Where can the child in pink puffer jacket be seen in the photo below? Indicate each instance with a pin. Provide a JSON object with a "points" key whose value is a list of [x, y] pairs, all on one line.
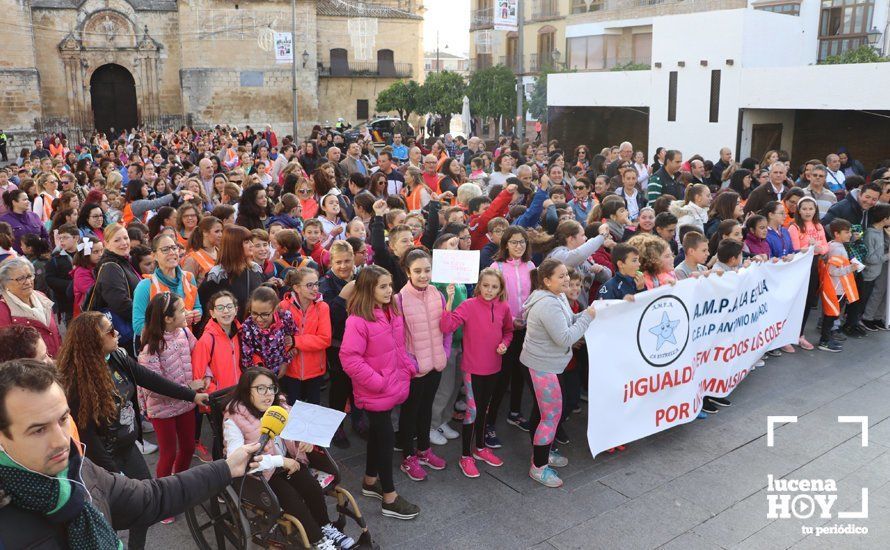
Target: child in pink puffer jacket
{"points": [[167, 350], [374, 357]]}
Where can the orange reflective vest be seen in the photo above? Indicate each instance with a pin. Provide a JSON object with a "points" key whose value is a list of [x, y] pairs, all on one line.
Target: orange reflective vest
{"points": [[831, 305], [128, 216], [203, 259], [189, 288]]}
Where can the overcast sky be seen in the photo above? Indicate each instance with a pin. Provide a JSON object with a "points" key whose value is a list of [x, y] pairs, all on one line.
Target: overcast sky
{"points": [[452, 19]]}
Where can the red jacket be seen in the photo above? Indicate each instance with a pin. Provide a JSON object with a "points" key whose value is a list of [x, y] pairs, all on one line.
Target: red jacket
{"points": [[321, 256], [218, 356], [604, 258], [50, 334], [312, 339], [479, 223]]}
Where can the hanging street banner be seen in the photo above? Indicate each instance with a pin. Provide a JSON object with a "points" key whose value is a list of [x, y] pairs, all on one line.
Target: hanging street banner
{"points": [[284, 47], [675, 344], [505, 15]]}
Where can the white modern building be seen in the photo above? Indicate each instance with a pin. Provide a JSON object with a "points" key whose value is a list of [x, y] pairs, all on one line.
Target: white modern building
{"points": [[441, 60], [735, 73]]}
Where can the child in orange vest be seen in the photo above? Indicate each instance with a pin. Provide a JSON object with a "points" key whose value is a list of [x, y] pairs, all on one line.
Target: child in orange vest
{"points": [[838, 282]]}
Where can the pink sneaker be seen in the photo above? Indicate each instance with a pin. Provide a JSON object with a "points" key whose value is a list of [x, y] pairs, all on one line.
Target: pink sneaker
{"points": [[429, 458], [468, 466], [413, 469], [487, 456]]}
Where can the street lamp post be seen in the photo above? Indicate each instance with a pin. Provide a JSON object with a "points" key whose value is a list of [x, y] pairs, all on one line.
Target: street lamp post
{"points": [[874, 35], [293, 66], [519, 129]]}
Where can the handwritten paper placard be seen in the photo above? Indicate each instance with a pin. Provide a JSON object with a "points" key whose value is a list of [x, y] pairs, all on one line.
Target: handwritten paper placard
{"points": [[312, 424], [455, 266]]}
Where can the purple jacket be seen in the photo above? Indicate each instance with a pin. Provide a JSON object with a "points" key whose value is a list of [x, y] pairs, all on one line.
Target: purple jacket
{"points": [[756, 246], [374, 356], [23, 224]]}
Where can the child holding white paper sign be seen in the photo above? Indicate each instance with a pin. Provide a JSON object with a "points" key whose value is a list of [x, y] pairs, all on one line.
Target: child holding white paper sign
{"points": [[422, 306], [489, 330]]}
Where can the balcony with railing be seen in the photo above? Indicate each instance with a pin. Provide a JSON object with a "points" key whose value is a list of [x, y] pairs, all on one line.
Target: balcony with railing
{"points": [[510, 61], [545, 10], [541, 61], [482, 19], [481, 61], [650, 7], [367, 69]]}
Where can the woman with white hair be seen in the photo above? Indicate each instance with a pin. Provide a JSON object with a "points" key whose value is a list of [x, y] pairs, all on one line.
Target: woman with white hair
{"points": [[20, 304]]}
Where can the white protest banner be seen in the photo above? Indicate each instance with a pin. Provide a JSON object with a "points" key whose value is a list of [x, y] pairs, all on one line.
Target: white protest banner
{"points": [[674, 344], [505, 15], [887, 296], [455, 266], [284, 47]]}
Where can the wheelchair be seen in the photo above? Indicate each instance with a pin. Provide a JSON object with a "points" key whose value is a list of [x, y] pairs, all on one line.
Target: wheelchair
{"points": [[247, 513]]}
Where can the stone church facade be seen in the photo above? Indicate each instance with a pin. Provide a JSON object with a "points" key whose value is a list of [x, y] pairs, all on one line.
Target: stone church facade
{"points": [[75, 65]]}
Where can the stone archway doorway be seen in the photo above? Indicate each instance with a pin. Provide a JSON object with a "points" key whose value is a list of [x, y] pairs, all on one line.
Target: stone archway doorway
{"points": [[113, 93]]}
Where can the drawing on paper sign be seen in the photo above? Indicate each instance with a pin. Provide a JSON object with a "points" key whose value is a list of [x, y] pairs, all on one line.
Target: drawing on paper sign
{"points": [[455, 266], [312, 424], [663, 331]]}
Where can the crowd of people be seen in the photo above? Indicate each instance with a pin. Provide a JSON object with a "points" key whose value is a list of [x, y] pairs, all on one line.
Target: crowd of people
{"points": [[157, 266]]}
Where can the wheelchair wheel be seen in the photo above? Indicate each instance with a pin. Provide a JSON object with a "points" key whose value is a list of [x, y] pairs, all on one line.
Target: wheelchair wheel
{"points": [[218, 524]]}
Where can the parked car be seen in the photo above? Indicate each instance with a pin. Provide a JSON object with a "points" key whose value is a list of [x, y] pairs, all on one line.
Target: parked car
{"points": [[381, 130]]}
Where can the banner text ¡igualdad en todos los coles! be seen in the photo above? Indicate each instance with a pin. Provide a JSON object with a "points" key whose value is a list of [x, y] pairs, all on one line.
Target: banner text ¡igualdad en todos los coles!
{"points": [[675, 344]]}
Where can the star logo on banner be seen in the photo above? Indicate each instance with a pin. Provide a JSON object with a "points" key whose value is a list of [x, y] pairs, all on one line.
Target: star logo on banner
{"points": [[664, 331]]}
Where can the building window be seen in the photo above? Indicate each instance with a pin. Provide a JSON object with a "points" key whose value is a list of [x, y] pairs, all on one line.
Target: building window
{"points": [[714, 114], [672, 96], [642, 44], [844, 25], [546, 45], [361, 109], [385, 64], [339, 63], [584, 6], [785, 8], [594, 53], [483, 42]]}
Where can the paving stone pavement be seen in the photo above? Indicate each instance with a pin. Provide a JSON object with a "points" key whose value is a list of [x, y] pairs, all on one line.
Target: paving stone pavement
{"points": [[702, 485]]}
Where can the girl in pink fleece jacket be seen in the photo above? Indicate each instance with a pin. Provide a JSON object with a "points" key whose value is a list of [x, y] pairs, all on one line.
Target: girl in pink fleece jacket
{"points": [[488, 332], [167, 351], [422, 306], [373, 355]]}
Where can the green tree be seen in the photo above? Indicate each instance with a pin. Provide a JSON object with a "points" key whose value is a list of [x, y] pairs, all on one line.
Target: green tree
{"points": [[537, 103], [492, 92], [401, 97], [442, 94], [862, 54]]}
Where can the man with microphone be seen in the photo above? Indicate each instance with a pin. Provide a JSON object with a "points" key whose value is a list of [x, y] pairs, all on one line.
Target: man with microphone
{"points": [[52, 497]]}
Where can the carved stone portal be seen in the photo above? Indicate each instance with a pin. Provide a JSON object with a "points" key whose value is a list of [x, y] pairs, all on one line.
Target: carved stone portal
{"points": [[109, 36]]}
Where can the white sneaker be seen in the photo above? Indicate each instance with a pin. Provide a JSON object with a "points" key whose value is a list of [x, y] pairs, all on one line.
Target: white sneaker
{"points": [[325, 544], [448, 431], [437, 438], [337, 537], [146, 447]]}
